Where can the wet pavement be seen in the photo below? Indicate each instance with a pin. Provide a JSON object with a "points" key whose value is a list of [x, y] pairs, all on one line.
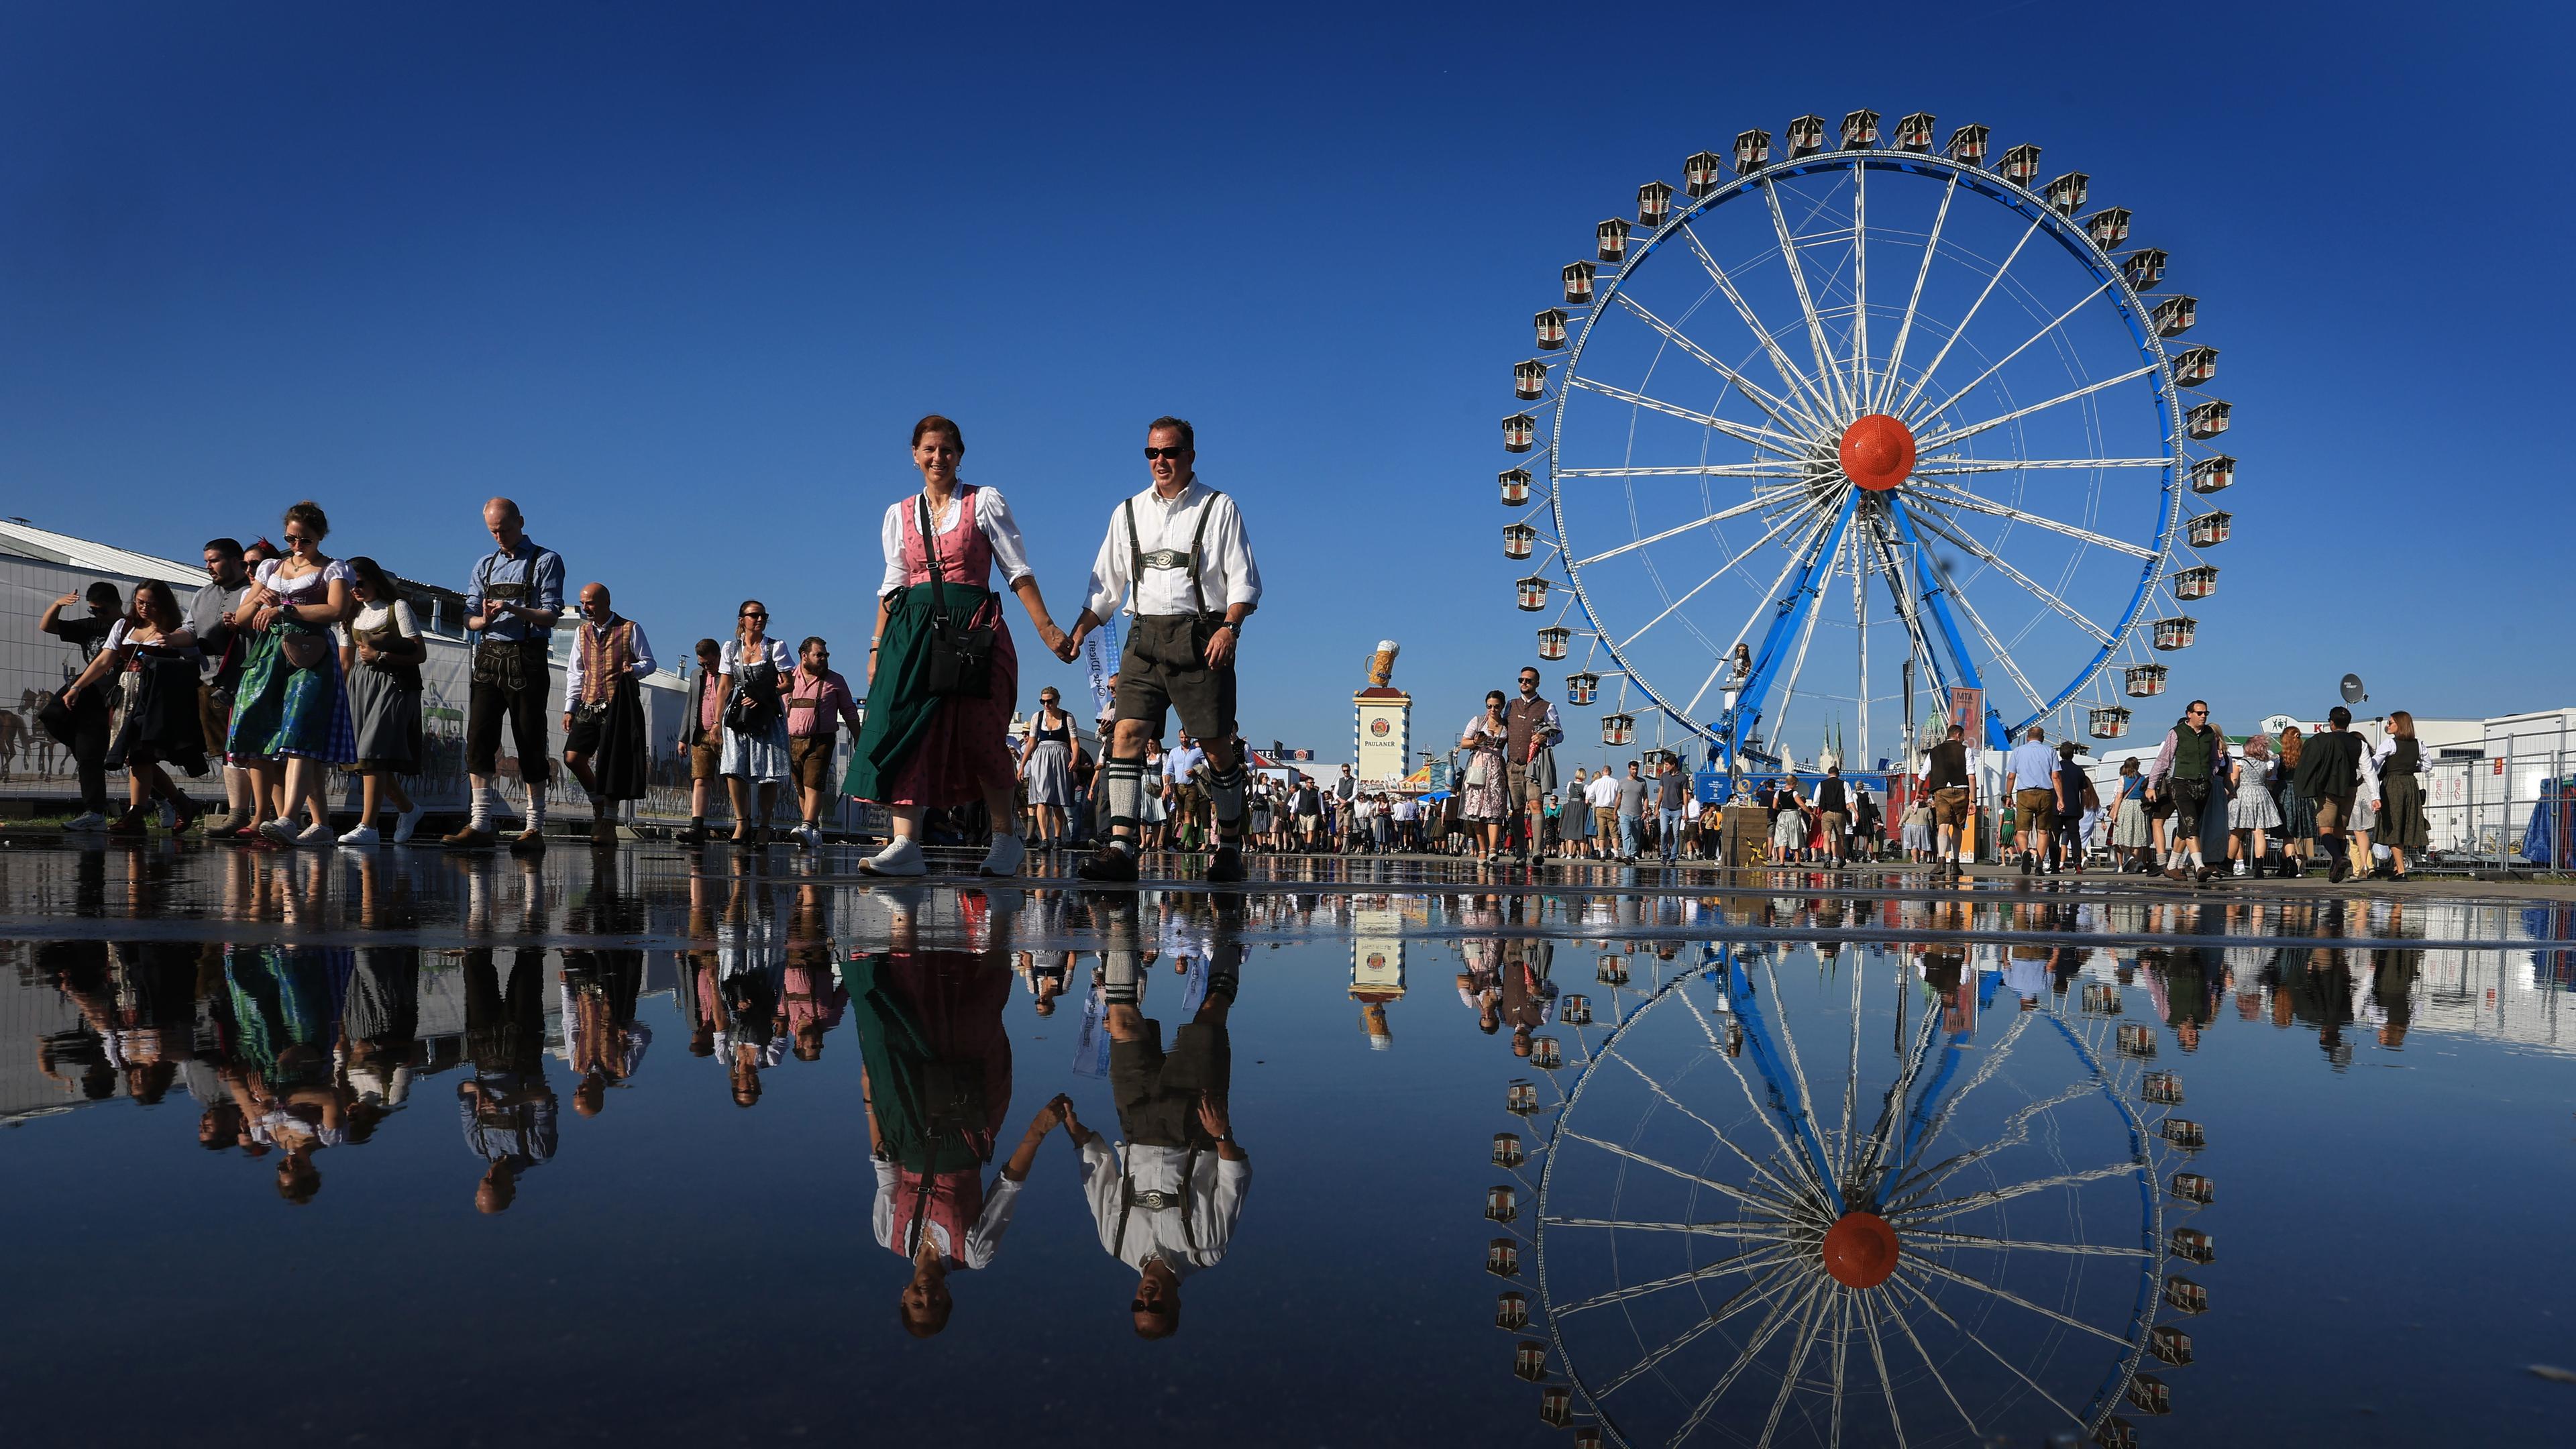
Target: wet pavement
{"points": [[648, 1147]]}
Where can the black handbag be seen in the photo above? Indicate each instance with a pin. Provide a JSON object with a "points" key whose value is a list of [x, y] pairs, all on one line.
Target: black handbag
{"points": [[960, 663]]}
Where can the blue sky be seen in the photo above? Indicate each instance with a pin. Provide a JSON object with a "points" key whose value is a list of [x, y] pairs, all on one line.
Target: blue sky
{"points": [[680, 278]]}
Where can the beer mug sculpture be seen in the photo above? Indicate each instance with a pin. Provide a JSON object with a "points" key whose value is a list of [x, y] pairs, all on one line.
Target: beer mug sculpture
{"points": [[1381, 665]]}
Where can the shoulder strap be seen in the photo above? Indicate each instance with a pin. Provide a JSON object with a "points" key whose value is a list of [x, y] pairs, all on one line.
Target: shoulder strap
{"points": [[1198, 591], [1135, 556], [929, 539]]}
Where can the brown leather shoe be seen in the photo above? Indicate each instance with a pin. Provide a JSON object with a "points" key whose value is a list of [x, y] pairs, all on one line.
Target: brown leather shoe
{"points": [[603, 831], [467, 837], [529, 839]]}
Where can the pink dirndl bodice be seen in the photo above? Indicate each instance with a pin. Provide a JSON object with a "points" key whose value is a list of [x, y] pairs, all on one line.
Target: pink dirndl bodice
{"points": [[969, 740]]}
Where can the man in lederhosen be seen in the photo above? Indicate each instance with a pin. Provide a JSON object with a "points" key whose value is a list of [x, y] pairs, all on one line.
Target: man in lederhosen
{"points": [[605, 745], [1178, 554], [513, 600], [1534, 732]]}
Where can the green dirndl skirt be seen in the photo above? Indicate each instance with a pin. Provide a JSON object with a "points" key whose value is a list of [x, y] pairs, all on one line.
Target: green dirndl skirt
{"points": [[914, 747], [282, 710]]}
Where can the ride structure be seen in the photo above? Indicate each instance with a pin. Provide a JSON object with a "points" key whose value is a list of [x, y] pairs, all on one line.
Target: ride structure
{"points": [[1982, 451]]}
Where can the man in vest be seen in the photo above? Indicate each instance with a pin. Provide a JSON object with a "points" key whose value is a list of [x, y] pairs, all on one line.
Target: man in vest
{"points": [[1833, 806], [1945, 775], [1533, 732], [605, 744], [1178, 555], [2191, 762], [2329, 773]]}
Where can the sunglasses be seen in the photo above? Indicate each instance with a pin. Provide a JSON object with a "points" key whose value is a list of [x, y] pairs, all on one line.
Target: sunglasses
{"points": [[1172, 453], [753, 614], [297, 538]]}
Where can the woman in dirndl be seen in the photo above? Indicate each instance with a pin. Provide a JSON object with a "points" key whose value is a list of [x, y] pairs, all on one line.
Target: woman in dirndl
{"points": [[1486, 796], [1046, 765], [755, 718], [2132, 839], [2251, 812], [381, 661], [2298, 812], [2402, 826], [936, 735], [150, 659], [291, 714]]}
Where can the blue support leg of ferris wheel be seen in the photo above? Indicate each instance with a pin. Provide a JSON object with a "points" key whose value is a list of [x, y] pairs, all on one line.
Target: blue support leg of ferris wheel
{"points": [[1804, 587], [1936, 595]]}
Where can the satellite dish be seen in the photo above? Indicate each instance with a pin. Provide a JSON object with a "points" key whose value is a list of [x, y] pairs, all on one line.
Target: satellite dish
{"points": [[2352, 692]]}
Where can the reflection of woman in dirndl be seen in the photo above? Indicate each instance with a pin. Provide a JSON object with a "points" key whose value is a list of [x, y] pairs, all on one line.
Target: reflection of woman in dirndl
{"points": [[291, 714], [922, 748], [937, 1079]]}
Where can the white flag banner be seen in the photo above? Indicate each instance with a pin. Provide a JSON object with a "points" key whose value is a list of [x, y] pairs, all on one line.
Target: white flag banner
{"points": [[1099, 662]]}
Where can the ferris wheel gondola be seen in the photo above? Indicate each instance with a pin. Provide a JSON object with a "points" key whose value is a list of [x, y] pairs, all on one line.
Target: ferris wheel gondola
{"points": [[1763, 456]]}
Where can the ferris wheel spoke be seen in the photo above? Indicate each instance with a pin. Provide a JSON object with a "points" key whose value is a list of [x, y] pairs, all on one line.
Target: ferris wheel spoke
{"points": [[1789, 1208], [1720, 516], [1762, 1336], [1944, 525], [1851, 1079], [1788, 1151], [1860, 379], [1944, 439], [1934, 1239], [1891, 1111], [1780, 409], [1914, 304], [1804, 510], [1741, 1262], [1969, 1280], [1959, 498], [1844, 1304], [1787, 1193], [1801, 1111], [1772, 1236], [1769, 468], [1954, 467], [1910, 1190], [1878, 1356], [1806, 637], [1948, 1208], [1825, 367], [1796, 381], [1964, 1332], [1761, 1291], [2053, 324], [1916, 391], [1781, 443], [2002, 656], [1896, 1315], [1826, 1307], [1940, 1121], [1908, 607]]}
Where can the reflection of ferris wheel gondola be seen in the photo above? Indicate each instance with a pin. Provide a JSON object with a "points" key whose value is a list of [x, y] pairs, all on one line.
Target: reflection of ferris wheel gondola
{"points": [[1942, 1221]]}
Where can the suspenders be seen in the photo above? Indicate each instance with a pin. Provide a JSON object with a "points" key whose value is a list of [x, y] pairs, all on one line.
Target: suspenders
{"points": [[1136, 553], [1127, 1200]]}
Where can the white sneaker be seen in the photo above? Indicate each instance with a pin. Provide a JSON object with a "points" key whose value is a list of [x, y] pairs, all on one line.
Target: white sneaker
{"points": [[809, 837], [901, 857], [2240, 867], [407, 822], [87, 820], [1009, 852], [318, 833], [363, 835]]}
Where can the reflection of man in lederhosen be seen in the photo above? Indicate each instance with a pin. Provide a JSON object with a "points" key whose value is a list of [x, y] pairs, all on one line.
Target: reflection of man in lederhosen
{"points": [[1178, 554], [513, 601], [1165, 1204]]}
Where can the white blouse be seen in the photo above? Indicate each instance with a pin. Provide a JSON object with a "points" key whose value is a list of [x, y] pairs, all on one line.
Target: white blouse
{"points": [[992, 519], [311, 588], [372, 616], [780, 657]]}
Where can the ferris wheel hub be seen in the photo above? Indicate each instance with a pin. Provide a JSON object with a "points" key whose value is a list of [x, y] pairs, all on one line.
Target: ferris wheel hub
{"points": [[1860, 1249], [1877, 452]]}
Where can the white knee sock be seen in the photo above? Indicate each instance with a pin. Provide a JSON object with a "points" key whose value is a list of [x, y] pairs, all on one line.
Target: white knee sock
{"points": [[481, 818]]}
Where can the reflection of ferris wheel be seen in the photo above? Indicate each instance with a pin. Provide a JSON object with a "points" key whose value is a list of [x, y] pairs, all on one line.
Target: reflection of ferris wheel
{"points": [[1944, 1222], [1857, 407]]}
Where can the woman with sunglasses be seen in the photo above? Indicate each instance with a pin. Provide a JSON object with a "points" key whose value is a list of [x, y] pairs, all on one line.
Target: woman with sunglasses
{"points": [[291, 716], [755, 719], [942, 673], [1046, 767]]}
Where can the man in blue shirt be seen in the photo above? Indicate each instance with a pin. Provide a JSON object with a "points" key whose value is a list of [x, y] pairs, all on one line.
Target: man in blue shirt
{"points": [[2030, 782], [513, 601]]}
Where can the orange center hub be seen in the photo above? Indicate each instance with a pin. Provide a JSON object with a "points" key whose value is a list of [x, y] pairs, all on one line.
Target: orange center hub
{"points": [[1877, 452], [1860, 1250]]}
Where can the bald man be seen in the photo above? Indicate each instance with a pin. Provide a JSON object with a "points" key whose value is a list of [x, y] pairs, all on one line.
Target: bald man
{"points": [[605, 745], [513, 601]]}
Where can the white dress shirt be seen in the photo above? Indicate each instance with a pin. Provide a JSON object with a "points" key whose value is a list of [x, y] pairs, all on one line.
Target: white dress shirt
{"points": [[982, 1240], [1214, 1202], [572, 668], [1226, 571], [992, 519]]}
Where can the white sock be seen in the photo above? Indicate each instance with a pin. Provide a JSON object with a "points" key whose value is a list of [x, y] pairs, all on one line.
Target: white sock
{"points": [[481, 818], [536, 808]]}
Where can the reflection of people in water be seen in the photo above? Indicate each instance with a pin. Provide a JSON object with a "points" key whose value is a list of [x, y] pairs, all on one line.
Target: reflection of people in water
{"points": [[811, 995], [379, 1034], [137, 1003], [937, 1078], [2321, 996], [2191, 990], [1045, 982], [508, 1107], [2392, 992], [602, 1038], [1167, 1203], [284, 1022], [1529, 997]]}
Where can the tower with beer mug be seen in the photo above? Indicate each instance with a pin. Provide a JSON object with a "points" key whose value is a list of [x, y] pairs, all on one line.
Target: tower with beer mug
{"points": [[1382, 721]]}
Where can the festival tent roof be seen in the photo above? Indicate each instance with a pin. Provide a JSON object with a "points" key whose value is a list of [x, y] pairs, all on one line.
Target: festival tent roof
{"points": [[28, 541]]}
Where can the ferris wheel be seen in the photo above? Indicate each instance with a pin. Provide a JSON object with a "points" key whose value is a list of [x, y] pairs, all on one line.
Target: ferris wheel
{"points": [[1819, 427], [1946, 1221]]}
